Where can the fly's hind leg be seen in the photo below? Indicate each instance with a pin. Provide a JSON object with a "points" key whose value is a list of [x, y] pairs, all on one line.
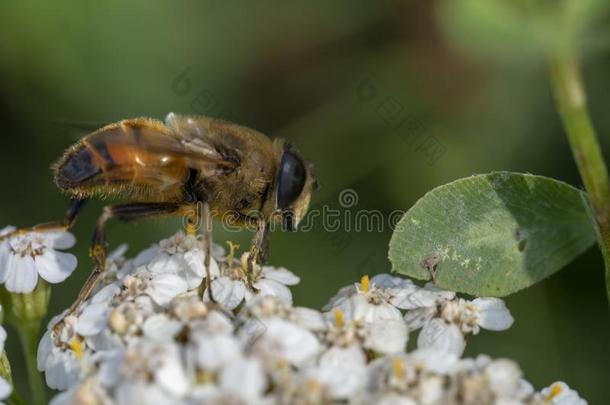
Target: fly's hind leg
{"points": [[98, 252], [74, 209], [206, 222]]}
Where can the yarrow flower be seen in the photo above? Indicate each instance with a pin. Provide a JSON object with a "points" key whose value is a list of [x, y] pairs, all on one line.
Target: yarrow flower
{"points": [[559, 393], [445, 325], [148, 336], [232, 285], [25, 257]]}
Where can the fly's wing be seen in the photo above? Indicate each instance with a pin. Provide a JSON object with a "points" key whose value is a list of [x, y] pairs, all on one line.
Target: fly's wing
{"points": [[141, 153], [224, 136]]}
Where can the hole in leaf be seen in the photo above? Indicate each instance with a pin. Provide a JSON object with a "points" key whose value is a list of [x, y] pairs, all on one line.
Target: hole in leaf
{"points": [[521, 239]]}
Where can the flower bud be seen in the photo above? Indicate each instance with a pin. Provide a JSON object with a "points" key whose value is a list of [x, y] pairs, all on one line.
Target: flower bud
{"points": [[118, 322], [31, 306]]}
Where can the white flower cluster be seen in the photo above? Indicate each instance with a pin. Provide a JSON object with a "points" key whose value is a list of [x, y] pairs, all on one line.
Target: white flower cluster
{"points": [[147, 337]]}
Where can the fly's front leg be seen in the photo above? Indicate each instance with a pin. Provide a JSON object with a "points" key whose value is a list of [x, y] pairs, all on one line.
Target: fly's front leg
{"points": [[74, 209], [258, 250], [98, 252]]}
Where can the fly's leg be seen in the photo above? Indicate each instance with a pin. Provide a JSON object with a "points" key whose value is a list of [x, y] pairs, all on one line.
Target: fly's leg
{"points": [[258, 251], [76, 204], [98, 251], [206, 222]]}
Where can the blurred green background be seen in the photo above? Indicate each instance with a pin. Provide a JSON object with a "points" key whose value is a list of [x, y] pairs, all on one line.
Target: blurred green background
{"points": [[388, 98]]}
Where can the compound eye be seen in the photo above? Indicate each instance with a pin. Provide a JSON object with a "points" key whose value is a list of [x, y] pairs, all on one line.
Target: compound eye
{"points": [[291, 179]]}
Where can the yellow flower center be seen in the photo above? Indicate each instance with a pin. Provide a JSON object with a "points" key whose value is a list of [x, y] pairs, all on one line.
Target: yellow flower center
{"points": [[204, 377], [398, 368], [339, 318], [77, 347], [364, 283], [556, 389]]}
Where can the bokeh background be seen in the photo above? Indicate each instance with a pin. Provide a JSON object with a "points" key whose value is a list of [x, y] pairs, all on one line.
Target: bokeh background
{"points": [[387, 98]]}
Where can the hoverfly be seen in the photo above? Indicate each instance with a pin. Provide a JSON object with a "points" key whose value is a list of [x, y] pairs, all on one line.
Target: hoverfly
{"points": [[191, 166]]}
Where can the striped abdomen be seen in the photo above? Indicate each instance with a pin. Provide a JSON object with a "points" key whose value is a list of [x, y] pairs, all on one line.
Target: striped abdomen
{"points": [[137, 157]]}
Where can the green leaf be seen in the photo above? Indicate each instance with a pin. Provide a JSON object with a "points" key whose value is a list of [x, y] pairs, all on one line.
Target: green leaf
{"points": [[492, 234]]}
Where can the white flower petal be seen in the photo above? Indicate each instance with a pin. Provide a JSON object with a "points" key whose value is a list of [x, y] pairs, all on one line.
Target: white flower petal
{"points": [[358, 308], [118, 252], [44, 350], [385, 280], [216, 322], [64, 398], [21, 274], [195, 260], [525, 389], [309, 319], [441, 336], [5, 388], [2, 338], [55, 266], [170, 374], [136, 392], [62, 369], [436, 361], [402, 298], [387, 336], [342, 370], [216, 351], [106, 294], [60, 240], [105, 341], [493, 314], [205, 394], [7, 229], [6, 258], [160, 327], [245, 379], [110, 362], [146, 256], [253, 329], [165, 263], [165, 287], [281, 275], [559, 393], [418, 317], [228, 293], [93, 319], [392, 398], [291, 342], [342, 295], [504, 377], [428, 296], [271, 288]]}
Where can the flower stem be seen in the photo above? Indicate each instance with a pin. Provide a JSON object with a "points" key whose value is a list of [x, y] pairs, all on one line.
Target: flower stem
{"points": [[15, 399], [29, 335], [570, 98]]}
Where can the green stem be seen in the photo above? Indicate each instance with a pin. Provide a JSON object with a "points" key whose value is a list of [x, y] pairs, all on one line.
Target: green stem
{"points": [[29, 335], [570, 98], [15, 399]]}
